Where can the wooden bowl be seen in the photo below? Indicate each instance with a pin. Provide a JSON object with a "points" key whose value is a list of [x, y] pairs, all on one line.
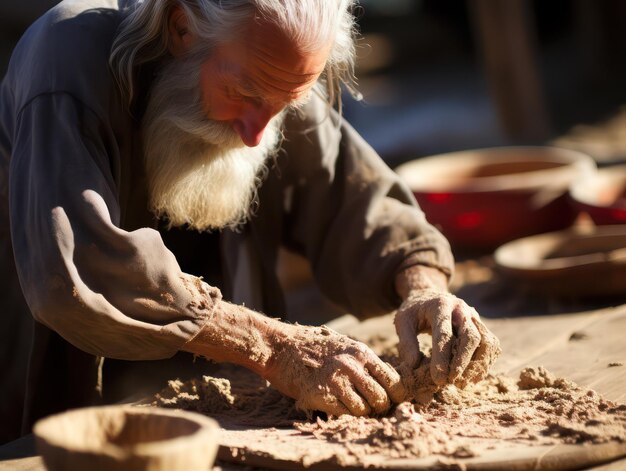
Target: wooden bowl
{"points": [[577, 262], [602, 196], [484, 198], [127, 438]]}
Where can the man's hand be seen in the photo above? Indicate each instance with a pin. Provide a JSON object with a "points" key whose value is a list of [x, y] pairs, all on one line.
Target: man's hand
{"points": [[330, 372], [321, 369], [463, 348]]}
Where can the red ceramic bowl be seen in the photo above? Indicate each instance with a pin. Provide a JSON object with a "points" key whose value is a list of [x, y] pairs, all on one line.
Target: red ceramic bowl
{"points": [[602, 196], [483, 198]]}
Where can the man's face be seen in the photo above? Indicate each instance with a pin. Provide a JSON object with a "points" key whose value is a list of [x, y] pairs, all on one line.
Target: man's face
{"points": [[211, 124], [247, 82]]}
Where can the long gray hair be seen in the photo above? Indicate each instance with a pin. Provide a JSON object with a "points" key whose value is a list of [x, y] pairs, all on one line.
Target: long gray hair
{"points": [[143, 36]]}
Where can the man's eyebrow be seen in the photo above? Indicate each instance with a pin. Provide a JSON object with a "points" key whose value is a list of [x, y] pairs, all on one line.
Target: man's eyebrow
{"points": [[247, 86], [240, 84]]}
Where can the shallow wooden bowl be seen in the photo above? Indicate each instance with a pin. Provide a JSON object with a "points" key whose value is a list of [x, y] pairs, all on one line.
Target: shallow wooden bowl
{"points": [[127, 438], [602, 196], [577, 262], [484, 198]]}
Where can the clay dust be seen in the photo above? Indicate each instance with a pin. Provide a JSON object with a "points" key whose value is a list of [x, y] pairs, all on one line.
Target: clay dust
{"points": [[534, 409], [236, 397]]}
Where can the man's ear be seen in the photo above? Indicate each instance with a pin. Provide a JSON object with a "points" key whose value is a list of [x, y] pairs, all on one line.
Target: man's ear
{"points": [[181, 38]]}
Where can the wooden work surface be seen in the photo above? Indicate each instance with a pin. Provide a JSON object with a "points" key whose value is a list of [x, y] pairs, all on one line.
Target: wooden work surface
{"points": [[578, 344]]}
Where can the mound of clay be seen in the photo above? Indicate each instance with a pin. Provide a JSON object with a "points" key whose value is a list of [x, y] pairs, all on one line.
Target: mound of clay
{"points": [[537, 408], [239, 397]]}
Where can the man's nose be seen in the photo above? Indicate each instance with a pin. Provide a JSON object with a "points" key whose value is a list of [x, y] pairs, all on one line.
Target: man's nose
{"points": [[251, 125]]}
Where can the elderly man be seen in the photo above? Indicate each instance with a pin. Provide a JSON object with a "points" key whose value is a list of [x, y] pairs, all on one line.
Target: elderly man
{"points": [[155, 155]]}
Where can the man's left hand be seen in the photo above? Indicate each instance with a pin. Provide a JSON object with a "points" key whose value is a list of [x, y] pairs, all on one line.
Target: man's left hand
{"points": [[463, 347]]}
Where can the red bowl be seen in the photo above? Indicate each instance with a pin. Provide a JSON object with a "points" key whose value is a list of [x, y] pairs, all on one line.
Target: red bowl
{"points": [[603, 196], [483, 198]]}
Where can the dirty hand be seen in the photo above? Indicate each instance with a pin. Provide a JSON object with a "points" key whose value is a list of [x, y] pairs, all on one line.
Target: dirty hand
{"points": [[326, 371], [463, 347]]}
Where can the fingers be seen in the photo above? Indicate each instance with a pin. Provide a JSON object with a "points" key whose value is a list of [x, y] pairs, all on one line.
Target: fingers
{"points": [[351, 391], [468, 339], [327, 403], [373, 393], [408, 347], [343, 389], [476, 347], [484, 356], [442, 341], [388, 378]]}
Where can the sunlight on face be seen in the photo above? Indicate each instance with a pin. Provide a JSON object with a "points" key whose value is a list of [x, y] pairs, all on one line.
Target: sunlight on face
{"points": [[199, 172], [245, 83], [206, 147]]}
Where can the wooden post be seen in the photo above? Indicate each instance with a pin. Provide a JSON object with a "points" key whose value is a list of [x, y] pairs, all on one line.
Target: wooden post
{"points": [[506, 38]]}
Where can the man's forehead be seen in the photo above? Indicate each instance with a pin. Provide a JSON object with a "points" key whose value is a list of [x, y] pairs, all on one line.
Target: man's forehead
{"points": [[274, 63]]}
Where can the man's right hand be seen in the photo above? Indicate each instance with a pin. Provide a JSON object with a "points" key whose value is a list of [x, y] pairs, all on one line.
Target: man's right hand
{"points": [[320, 368], [326, 371]]}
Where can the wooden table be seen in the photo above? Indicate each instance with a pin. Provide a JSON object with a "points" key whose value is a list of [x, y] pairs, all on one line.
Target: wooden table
{"points": [[579, 344]]}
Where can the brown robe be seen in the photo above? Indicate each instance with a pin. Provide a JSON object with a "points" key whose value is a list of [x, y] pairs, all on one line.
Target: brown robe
{"points": [[86, 275]]}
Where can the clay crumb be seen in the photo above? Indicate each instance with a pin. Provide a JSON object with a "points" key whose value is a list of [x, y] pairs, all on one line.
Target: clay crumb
{"points": [[168, 298], [76, 295], [539, 377], [578, 336]]}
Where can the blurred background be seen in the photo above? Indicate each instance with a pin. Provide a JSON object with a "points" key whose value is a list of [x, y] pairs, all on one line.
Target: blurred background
{"points": [[446, 75]]}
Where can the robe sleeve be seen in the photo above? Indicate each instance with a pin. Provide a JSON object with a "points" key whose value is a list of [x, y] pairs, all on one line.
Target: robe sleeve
{"points": [[352, 216], [107, 291]]}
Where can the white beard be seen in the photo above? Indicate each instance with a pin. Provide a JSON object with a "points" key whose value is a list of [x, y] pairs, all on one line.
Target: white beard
{"points": [[199, 171]]}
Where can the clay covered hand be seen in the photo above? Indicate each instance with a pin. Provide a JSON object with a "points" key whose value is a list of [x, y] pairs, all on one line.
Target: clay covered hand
{"points": [[463, 348], [324, 370]]}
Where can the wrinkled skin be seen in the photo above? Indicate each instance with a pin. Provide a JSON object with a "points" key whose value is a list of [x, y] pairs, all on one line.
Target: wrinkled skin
{"points": [[463, 348], [330, 372]]}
